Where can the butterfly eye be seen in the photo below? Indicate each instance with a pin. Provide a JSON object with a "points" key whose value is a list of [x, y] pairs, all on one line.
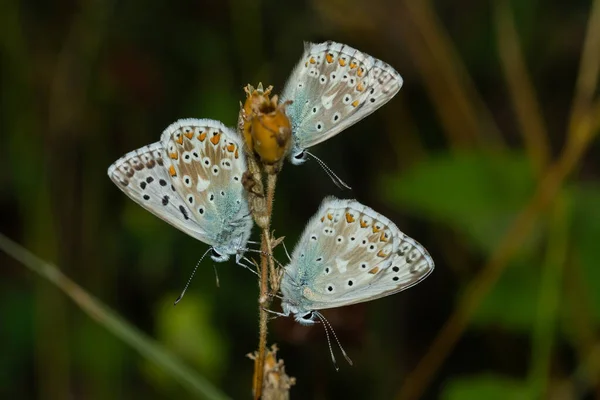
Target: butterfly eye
{"points": [[215, 254], [299, 157], [308, 316]]}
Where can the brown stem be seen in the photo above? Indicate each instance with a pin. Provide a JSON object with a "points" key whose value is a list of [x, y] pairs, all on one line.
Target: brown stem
{"points": [[264, 300], [263, 304], [271, 183]]}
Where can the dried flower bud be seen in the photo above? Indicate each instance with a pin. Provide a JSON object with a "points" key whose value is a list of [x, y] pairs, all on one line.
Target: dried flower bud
{"points": [[266, 128]]}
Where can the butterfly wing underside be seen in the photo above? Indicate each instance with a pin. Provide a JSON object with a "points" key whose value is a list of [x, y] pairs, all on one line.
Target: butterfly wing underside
{"points": [[332, 87], [349, 254], [204, 161], [141, 175], [192, 180]]}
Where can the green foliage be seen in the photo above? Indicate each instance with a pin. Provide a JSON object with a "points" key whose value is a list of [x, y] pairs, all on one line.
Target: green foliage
{"points": [[189, 331], [586, 239], [485, 386], [476, 194]]}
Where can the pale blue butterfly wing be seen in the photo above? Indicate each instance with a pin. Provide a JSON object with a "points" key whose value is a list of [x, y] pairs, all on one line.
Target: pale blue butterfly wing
{"points": [[332, 87], [350, 254], [192, 180]]}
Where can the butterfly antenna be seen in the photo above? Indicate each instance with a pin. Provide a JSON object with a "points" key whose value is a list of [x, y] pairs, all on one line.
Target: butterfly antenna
{"points": [[336, 338], [336, 179], [192, 276], [322, 318]]}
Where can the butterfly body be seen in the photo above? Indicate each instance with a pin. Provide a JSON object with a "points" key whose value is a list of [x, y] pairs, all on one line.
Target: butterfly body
{"points": [[331, 88], [192, 180], [349, 254]]}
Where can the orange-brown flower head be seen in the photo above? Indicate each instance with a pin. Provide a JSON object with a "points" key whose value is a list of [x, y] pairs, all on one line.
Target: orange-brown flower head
{"points": [[266, 127], [256, 99]]}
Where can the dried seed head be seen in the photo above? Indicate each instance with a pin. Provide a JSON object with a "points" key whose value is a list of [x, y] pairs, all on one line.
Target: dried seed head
{"points": [[266, 128]]}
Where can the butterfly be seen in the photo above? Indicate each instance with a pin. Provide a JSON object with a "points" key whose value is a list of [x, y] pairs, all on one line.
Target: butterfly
{"points": [[349, 254], [331, 88], [192, 179]]}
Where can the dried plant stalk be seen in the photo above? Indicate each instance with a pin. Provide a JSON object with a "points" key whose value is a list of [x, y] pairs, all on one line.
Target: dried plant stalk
{"points": [[266, 131]]}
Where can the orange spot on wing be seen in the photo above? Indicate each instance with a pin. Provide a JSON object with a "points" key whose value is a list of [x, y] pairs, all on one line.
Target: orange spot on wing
{"points": [[353, 65], [342, 62], [360, 87], [363, 224], [179, 139], [189, 135], [381, 254], [360, 72], [376, 229], [374, 271], [349, 218], [202, 136], [383, 237], [174, 156], [312, 60], [172, 171], [322, 219], [329, 216], [329, 58], [236, 155], [231, 148], [215, 139], [355, 103]]}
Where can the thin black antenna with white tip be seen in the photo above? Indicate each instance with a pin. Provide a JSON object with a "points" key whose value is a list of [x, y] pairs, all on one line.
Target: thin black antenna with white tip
{"points": [[192, 276], [322, 318], [336, 179]]}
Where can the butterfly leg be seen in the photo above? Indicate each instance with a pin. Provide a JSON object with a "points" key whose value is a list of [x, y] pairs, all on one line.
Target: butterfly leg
{"points": [[238, 261], [275, 313]]}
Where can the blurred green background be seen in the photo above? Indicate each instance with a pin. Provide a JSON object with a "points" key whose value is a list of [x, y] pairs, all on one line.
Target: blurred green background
{"points": [[486, 157]]}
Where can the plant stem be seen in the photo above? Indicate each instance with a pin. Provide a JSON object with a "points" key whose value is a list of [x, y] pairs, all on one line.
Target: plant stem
{"points": [[264, 300], [549, 298]]}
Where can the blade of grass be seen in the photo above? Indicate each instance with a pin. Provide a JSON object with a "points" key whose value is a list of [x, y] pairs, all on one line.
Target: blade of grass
{"points": [[465, 118], [549, 297], [147, 347], [522, 92]]}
